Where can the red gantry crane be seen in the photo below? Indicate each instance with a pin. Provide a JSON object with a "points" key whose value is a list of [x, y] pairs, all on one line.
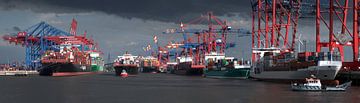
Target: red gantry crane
{"points": [[337, 27], [339, 20], [273, 21], [202, 41]]}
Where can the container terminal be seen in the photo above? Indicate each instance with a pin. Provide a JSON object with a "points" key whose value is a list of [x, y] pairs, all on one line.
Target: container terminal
{"points": [[276, 44], [53, 52]]}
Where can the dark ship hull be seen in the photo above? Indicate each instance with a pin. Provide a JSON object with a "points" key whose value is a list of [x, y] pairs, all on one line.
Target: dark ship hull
{"points": [[130, 69], [149, 69], [242, 73], [64, 69], [186, 68]]}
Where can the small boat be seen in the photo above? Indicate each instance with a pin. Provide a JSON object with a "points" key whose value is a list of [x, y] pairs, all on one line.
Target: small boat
{"points": [[314, 84], [124, 74], [341, 87]]}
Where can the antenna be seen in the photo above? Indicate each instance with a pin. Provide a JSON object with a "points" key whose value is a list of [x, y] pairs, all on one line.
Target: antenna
{"points": [[305, 45], [108, 58], [300, 42]]}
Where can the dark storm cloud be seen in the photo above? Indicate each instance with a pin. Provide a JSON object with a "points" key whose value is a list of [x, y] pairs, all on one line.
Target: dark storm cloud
{"points": [[162, 10]]}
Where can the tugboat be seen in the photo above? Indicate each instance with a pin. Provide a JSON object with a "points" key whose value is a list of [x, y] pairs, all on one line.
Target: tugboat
{"points": [[127, 62], [124, 74], [314, 84]]}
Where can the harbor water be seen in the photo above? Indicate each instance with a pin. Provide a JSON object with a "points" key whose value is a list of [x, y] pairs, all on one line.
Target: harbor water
{"points": [[158, 88]]}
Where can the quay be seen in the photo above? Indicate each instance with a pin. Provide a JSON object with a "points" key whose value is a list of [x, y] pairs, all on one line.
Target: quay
{"points": [[18, 73]]}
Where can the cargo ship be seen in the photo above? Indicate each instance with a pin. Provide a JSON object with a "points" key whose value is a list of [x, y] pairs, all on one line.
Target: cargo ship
{"points": [[242, 69], [97, 62], [150, 64], [170, 67], [219, 66], [69, 61], [126, 62], [272, 64], [185, 66]]}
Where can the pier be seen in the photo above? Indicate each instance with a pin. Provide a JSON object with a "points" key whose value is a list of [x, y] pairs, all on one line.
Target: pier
{"points": [[18, 73]]}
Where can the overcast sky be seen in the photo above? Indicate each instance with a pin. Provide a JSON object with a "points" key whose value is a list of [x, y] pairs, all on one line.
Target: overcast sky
{"points": [[125, 25]]}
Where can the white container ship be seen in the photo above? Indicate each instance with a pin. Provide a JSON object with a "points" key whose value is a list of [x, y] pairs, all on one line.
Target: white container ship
{"points": [[272, 64]]}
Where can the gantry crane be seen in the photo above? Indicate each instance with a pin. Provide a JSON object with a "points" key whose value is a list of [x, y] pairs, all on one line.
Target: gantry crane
{"points": [[212, 39], [272, 22], [42, 37]]}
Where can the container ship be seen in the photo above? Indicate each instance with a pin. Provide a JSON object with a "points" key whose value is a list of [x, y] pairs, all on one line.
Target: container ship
{"points": [[219, 66], [170, 67], [150, 64], [242, 69], [126, 62], [69, 61], [272, 64], [185, 66]]}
